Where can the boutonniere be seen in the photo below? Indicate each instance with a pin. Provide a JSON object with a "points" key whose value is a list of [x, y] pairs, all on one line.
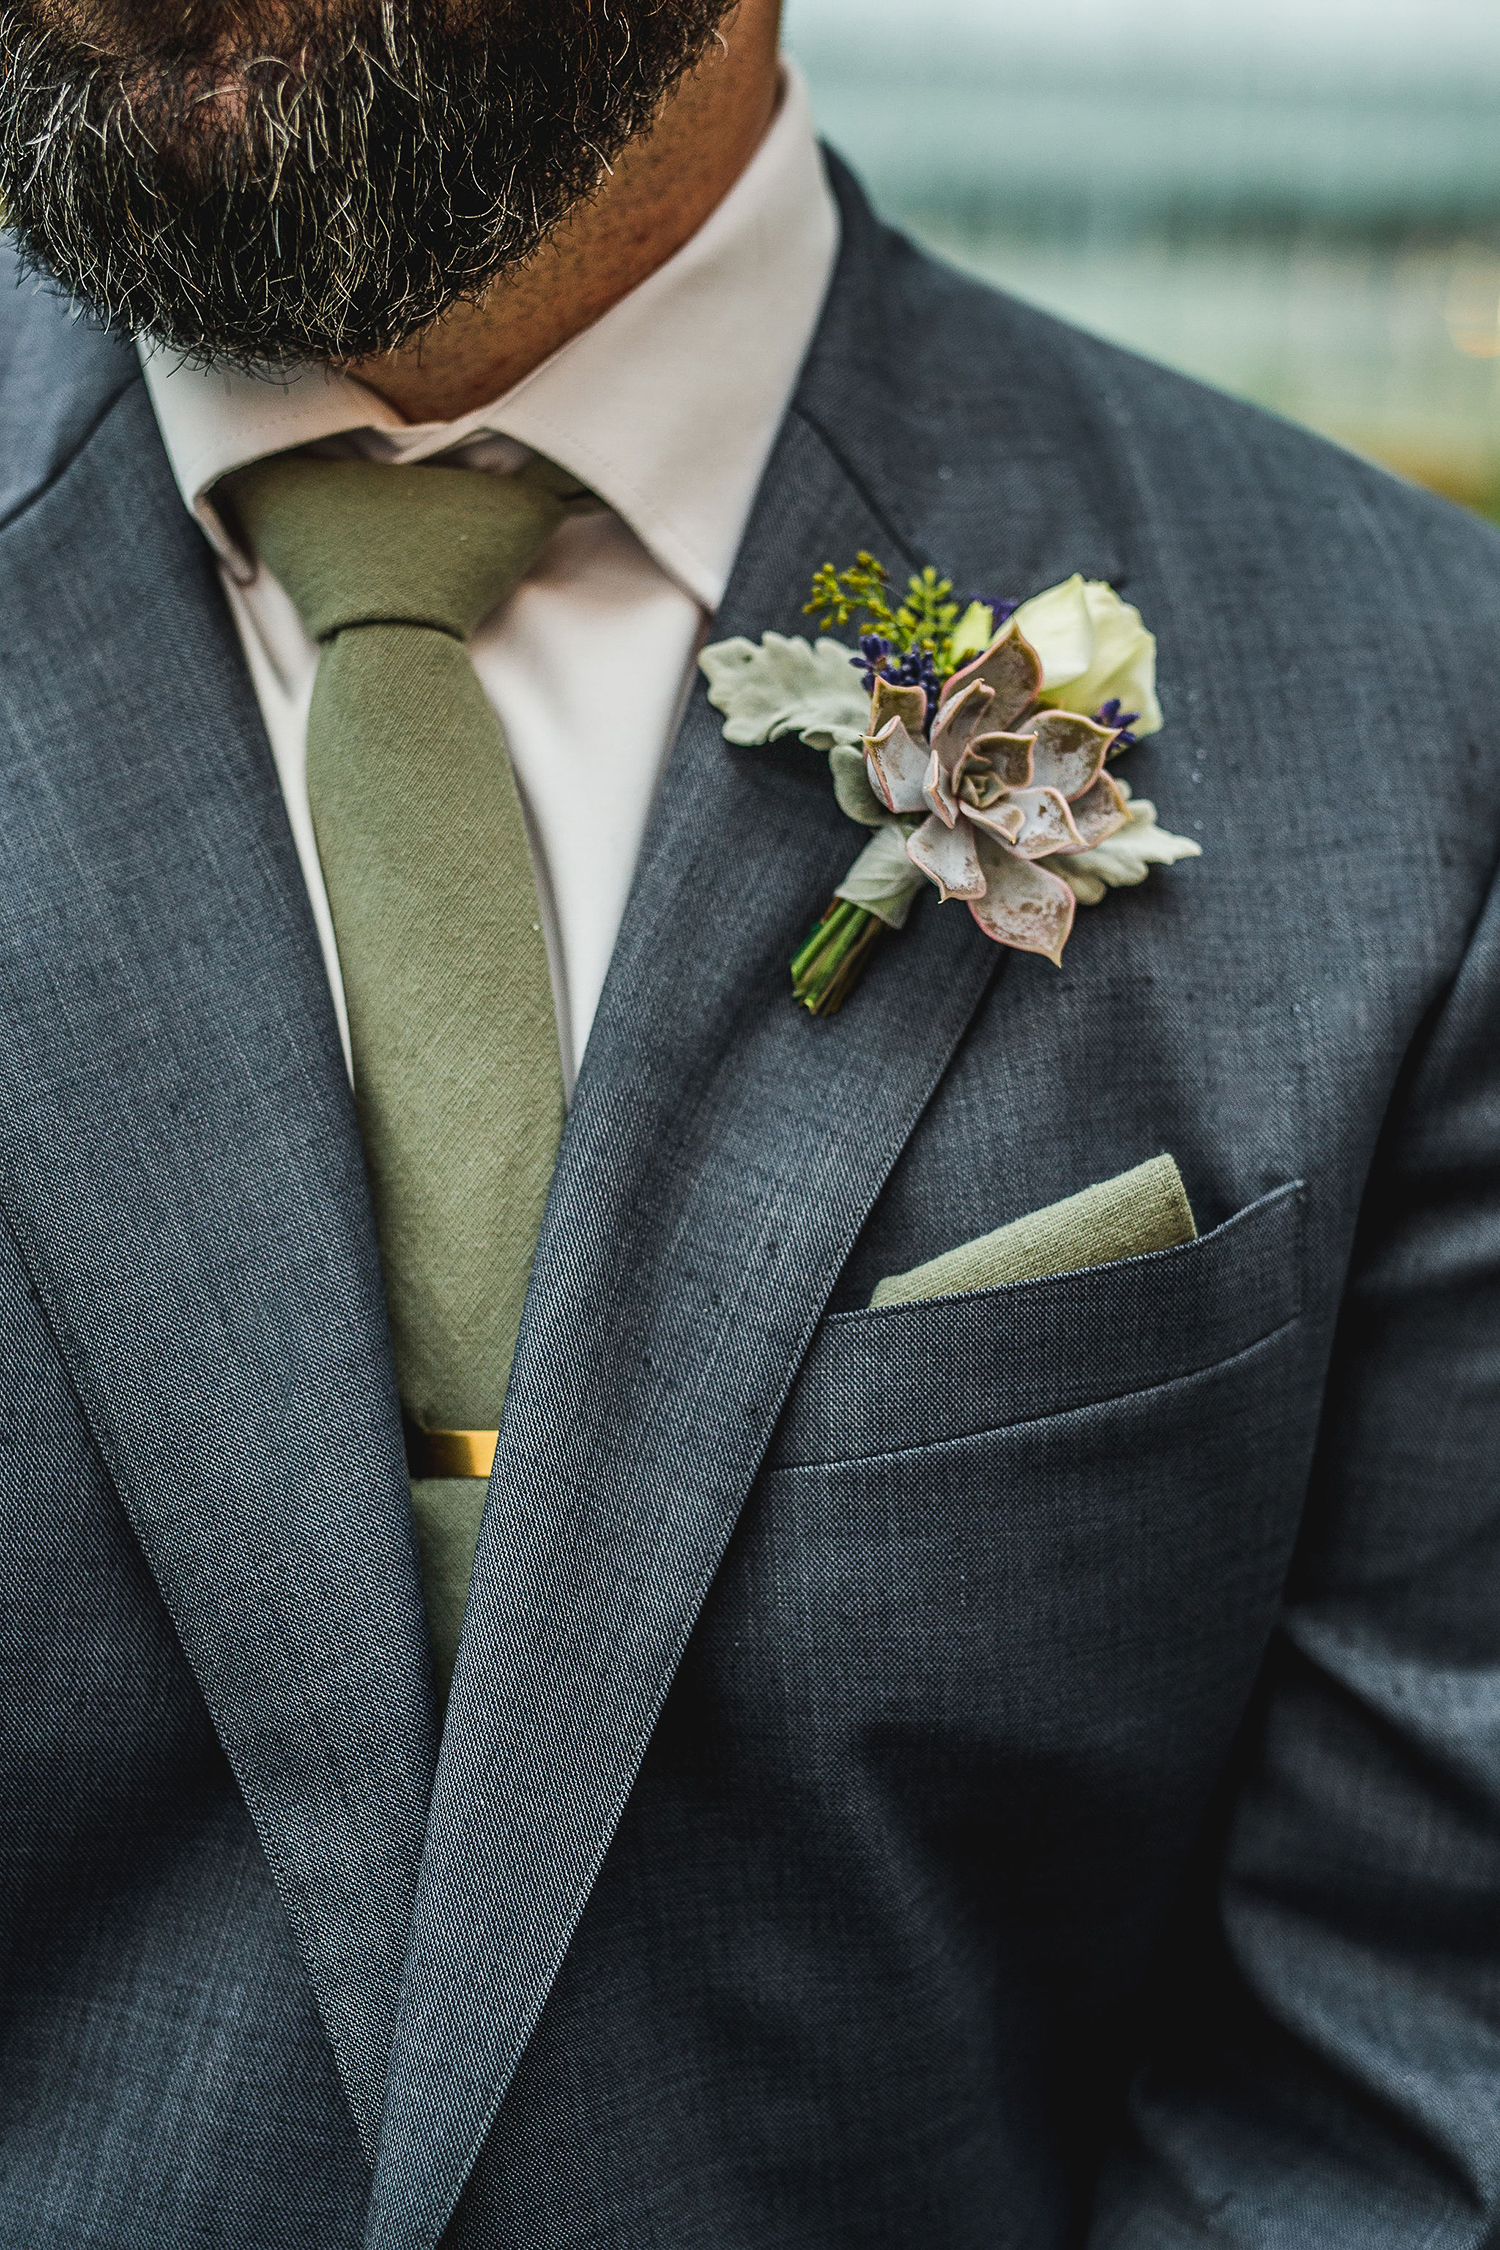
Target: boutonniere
{"points": [[973, 739]]}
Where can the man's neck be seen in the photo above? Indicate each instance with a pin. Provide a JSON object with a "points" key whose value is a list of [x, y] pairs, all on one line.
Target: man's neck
{"points": [[656, 196]]}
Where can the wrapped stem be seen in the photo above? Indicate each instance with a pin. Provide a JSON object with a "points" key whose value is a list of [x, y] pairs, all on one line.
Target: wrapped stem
{"points": [[834, 956]]}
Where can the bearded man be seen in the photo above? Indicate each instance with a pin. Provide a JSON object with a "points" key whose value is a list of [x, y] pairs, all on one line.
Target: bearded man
{"points": [[541, 1716]]}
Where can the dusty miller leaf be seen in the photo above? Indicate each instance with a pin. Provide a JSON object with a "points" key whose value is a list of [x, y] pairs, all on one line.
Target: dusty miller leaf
{"points": [[783, 686], [882, 879], [1124, 858], [851, 786]]}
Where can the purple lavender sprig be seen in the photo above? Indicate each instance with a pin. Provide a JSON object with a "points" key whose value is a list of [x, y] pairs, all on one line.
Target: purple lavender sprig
{"points": [[1110, 715], [1001, 611], [877, 660]]}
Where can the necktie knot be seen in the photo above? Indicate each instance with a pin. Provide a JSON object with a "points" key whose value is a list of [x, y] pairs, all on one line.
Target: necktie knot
{"points": [[369, 543]]}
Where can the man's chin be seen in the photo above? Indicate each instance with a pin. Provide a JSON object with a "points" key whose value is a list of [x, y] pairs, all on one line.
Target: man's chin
{"points": [[326, 195]]}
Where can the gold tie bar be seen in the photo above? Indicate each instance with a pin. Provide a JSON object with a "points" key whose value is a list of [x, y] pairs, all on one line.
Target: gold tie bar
{"points": [[449, 1453]]}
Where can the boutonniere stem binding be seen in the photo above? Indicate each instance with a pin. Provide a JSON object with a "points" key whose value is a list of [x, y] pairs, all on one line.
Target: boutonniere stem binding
{"points": [[973, 739]]}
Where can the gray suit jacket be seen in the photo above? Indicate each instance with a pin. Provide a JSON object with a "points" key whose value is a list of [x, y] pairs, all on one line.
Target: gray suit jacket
{"points": [[1017, 1770]]}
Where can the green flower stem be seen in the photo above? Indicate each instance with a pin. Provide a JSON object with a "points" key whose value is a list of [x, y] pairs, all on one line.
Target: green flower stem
{"points": [[824, 933], [833, 959]]}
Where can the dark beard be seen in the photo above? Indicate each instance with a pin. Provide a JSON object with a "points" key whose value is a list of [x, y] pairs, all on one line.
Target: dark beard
{"points": [[314, 181]]}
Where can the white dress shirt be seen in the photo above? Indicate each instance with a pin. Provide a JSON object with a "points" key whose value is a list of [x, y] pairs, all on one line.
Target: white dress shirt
{"points": [[667, 408]]}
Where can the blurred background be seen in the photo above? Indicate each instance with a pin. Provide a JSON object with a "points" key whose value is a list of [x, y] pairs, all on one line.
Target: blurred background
{"points": [[1298, 200]]}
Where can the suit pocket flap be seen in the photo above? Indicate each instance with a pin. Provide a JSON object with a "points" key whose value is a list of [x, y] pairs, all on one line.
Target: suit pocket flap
{"points": [[882, 1379]]}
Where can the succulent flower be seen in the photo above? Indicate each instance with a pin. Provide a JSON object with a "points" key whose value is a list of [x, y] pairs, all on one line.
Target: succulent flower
{"points": [[1004, 781]]}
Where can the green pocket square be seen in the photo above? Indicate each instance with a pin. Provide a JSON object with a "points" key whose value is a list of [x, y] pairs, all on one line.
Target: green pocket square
{"points": [[1146, 1209]]}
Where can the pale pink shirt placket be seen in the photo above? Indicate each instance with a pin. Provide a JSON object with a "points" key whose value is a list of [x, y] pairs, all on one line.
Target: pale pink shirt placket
{"points": [[668, 408]]}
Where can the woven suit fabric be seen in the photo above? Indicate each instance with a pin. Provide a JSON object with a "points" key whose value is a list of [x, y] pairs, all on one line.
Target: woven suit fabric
{"points": [[424, 850]]}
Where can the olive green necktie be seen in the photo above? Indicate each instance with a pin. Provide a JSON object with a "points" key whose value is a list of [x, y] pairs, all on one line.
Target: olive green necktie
{"points": [[424, 852]]}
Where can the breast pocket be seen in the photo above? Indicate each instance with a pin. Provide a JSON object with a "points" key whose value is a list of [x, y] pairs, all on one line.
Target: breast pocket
{"points": [[1008, 1576], [906, 1376]]}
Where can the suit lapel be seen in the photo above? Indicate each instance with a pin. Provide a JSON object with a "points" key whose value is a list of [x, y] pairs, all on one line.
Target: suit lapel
{"points": [[723, 1152], [180, 1165]]}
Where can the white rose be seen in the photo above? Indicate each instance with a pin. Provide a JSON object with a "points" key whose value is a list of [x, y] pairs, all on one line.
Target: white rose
{"points": [[1093, 649]]}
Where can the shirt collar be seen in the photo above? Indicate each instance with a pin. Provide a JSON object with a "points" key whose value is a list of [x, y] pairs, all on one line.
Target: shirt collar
{"points": [[667, 406]]}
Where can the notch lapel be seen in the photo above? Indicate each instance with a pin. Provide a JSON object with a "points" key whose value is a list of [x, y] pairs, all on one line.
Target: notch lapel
{"points": [[180, 1165], [722, 1154]]}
